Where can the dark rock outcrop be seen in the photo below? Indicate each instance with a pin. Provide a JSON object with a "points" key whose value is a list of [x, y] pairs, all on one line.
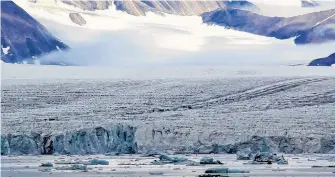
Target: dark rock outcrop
{"points": [[327, 61], [242, 5], [305, 28], [22, 37], [77, 19], [309, 3], [182, 7]]}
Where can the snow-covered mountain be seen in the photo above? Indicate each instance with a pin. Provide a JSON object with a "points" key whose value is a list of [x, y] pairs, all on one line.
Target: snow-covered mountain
{"points": [[182, 7], [22, 37], [305, 28], [182, 25]]}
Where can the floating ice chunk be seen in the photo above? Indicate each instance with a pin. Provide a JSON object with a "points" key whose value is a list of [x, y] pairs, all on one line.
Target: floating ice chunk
{"points": [[217, 170], [165, 159], [156, 173], [47, 164], [282, 161], [244, 154], [73, 167], [237, 171], [172, 158], [225, 170], [98, 162], [209, 160]]}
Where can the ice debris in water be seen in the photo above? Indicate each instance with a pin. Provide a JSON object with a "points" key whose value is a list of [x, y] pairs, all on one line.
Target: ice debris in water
{"points": [[98, 162], [266, 158], [73, 167], [156, 173], [47, 164], [225, 170], [165, 159], [209, 160], [244, 154]]}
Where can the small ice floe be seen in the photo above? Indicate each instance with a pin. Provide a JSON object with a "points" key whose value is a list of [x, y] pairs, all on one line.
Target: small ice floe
{"points": [[156, 173], [267, 158], [165, 159], [209, 160], [98, 162], [73, 167], [225, 170], [47, 164], [282, 161]]}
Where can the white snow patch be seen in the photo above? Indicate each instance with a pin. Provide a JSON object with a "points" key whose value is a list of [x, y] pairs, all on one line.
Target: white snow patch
{"points": [[5, 50], [322, 21]]}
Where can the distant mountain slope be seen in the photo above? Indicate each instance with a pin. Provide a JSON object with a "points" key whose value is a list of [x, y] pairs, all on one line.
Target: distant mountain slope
{"points": [[309, 3], [22, 37], [323, 31], [278, 27], [327, 61], [181, 7]]}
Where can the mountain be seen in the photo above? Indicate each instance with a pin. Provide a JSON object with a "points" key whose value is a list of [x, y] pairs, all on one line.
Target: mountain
{"points": [[323, 31], [24, 38], [304, 28], [327, 61], [182, 7]]}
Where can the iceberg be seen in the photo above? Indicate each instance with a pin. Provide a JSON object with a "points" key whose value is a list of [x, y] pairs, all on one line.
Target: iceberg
{"points": [[209, 160], [98, 162]]}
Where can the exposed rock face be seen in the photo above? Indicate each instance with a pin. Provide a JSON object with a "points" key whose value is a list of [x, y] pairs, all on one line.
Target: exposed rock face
{"points": [[89, 5], [242, 5], [116, 138], [139, 8], [327, 61], [279, 27], [309, 3], [22, 37], [77, 19], [323, 32]]}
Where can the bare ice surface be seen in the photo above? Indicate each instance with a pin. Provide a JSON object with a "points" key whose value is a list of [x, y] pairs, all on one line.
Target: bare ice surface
{"points": [[204, 110]]}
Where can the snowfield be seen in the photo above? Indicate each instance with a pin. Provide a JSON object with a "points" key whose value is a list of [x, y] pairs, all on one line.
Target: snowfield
{"points": [[69, 110]]}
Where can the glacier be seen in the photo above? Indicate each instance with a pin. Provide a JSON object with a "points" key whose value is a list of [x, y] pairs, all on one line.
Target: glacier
{"points": [[99, 140], [176, 110]]}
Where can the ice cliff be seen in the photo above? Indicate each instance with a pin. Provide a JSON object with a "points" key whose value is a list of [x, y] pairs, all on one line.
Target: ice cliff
{"points": [[121, 138], [99, 140]]}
